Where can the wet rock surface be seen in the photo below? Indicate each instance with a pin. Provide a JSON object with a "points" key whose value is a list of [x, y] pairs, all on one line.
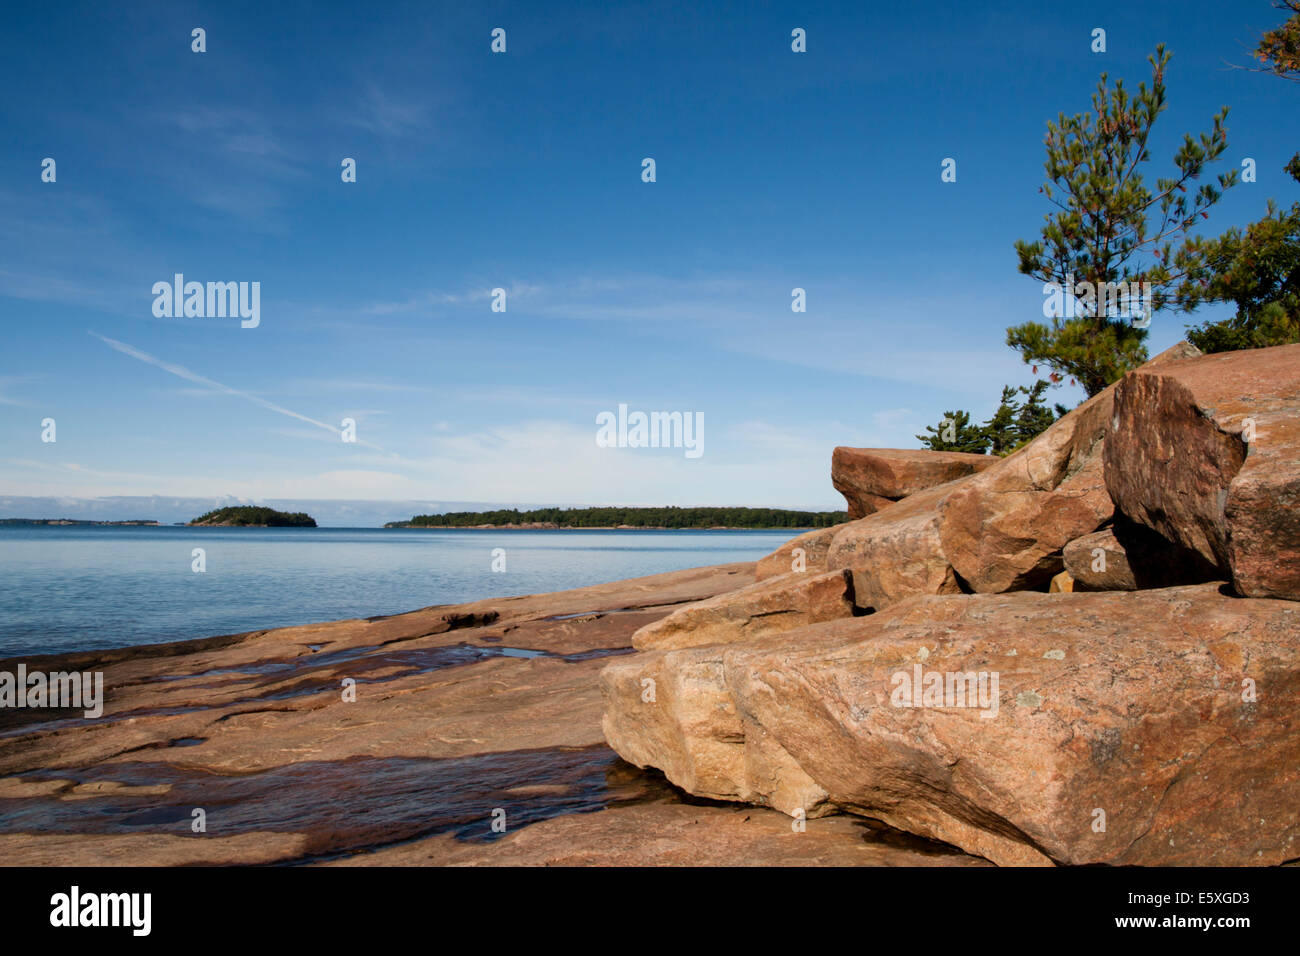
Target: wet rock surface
{"points": [[462, 716]]}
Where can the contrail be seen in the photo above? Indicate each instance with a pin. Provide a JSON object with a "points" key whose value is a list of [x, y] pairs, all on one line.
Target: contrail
{"points": [[182, 372]]}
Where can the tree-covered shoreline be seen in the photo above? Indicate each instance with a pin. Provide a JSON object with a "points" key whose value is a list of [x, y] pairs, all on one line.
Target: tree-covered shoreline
{"points": [[666, 517]]}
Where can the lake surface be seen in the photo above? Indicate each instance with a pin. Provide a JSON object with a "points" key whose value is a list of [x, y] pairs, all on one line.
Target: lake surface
{"points": [[77, 588]]}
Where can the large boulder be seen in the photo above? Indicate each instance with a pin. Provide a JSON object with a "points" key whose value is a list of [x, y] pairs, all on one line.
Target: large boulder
{"points": [[871, 478], [775, 604], [897, 553], [1132, 728], [1004, 530], [1206, 452], [672, 710]]}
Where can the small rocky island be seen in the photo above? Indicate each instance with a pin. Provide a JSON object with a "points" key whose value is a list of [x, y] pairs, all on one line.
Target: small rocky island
{"points": [[248, 516]]}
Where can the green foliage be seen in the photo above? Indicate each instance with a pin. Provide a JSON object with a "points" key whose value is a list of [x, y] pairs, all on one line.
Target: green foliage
{"points": [[666, 517], [1033, 417], [1001, 427], [1279, 48], [1274, 323], [1257, 270], [955, 433], [1012, 425], [252, 516], [1015, 424], [1110, 228]]}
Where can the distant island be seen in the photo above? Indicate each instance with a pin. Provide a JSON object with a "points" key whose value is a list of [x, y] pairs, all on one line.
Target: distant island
{"points": [[79, 522], [246, 516], [667, 518]]}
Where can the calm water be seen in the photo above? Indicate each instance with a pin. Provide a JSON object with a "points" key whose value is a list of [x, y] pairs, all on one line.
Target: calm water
{"points": [[67, 588]]}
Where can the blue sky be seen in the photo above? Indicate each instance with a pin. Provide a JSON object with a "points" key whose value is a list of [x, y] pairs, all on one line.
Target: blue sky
{"points": [[522, 171]]}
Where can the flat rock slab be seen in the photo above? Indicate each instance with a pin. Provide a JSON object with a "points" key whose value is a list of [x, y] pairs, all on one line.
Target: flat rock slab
{"points": [[765, 607], [459, 711], [670, 833], [871, 478]]}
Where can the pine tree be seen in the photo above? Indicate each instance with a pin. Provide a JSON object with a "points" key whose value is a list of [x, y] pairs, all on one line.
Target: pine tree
{"points": [[1012, 425], [1257, 270], [1000, 429], [1279, 48], [1034, 416], [955, 433], [1100, 233]]}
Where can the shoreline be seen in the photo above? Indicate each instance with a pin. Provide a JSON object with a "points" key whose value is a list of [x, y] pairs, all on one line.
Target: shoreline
{"points": [[75, 522], [455, 710], [547, 526], [26, 523], [362, 573]]}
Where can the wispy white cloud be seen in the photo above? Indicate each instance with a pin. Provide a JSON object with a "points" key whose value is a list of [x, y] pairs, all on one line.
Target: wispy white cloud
{"points": [[420, 302], [351, 385], [181, 371], [44, 287], [78, 472], [9, 381], [385, 114], [247, 136]]}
